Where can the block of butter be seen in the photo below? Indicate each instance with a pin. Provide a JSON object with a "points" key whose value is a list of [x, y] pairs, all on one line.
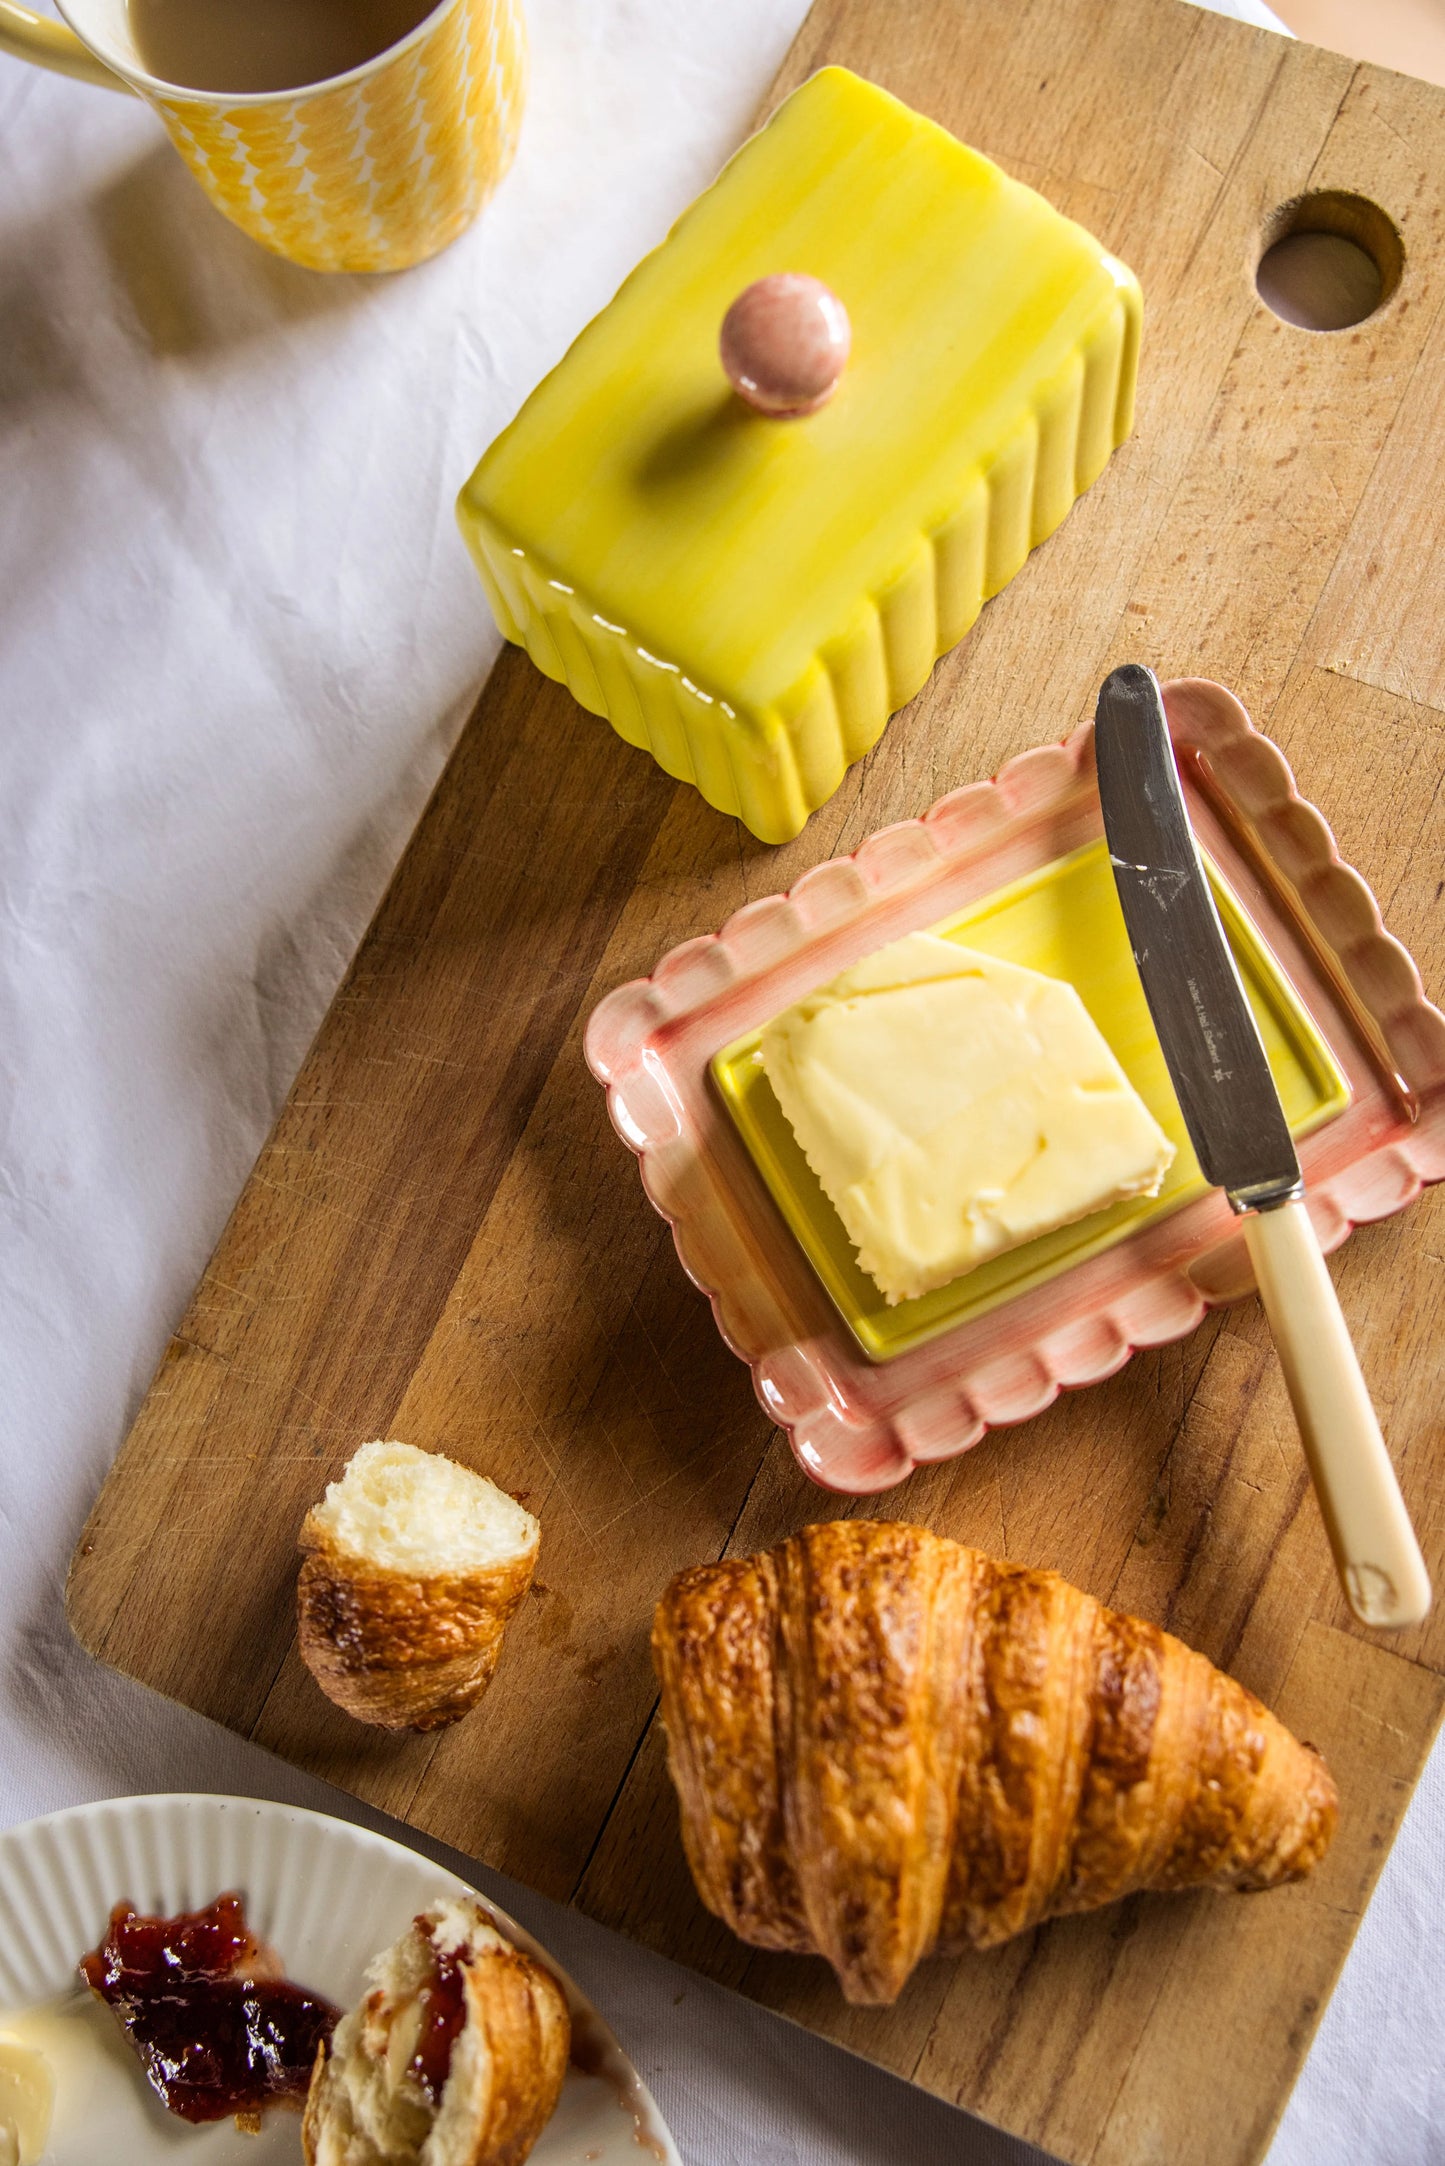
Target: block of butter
{"points": [[750, 597], [27, 2100], [953, 1106]]}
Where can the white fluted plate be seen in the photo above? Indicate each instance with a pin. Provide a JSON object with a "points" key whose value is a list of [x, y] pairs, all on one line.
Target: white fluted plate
{"points": [[327, 1896]]}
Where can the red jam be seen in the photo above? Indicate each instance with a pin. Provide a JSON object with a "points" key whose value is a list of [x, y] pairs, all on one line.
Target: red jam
{"points": [[216, 2030], [443, 2003]]}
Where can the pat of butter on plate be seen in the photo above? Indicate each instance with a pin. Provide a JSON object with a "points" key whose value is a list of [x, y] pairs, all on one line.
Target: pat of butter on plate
{"points": [[954, 1106], [27, 2099], [1062, 919]]}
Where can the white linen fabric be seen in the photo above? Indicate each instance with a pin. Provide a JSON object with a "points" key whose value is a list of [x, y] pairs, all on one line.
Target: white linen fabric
{"points": [[237, 636]]}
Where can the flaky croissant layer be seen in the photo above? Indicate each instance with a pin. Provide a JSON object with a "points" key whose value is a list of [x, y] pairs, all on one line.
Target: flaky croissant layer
{"points": [[413, 1567], [887, 1745]]}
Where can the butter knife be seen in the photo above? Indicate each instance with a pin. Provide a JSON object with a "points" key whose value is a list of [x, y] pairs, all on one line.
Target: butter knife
{"points": [[1241, 1138]]}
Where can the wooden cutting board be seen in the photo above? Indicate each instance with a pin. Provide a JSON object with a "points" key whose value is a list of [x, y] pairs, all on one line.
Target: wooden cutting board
{"points": [[444, 1241]]}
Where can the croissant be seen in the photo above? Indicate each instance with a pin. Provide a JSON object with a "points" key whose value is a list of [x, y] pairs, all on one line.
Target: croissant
{"points": [[413, 1567], [886, 1745], [456, 2055]]}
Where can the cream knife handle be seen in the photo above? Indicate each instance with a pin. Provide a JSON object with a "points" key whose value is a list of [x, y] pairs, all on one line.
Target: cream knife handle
{"points": [[1379, 1560]]}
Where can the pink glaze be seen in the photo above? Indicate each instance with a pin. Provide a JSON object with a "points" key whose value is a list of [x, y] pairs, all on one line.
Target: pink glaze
{"points": [[784, 344]]}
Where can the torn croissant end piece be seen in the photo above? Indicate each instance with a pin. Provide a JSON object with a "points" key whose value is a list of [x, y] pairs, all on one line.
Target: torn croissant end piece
{"points": [[887, 1746], [413, 1566], [455, 2057]]}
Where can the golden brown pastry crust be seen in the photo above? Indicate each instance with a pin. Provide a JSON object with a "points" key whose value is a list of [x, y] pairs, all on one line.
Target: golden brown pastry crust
{"points": [[885, 1744], [403, 1652], [498, 2099], [523, 2012]]}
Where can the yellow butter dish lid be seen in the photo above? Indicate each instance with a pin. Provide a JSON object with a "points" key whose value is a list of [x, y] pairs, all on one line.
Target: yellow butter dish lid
{"points": [[750, 595]]}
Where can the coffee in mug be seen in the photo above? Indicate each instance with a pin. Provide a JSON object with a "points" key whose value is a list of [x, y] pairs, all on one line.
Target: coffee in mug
{"points": [[255, 45]]}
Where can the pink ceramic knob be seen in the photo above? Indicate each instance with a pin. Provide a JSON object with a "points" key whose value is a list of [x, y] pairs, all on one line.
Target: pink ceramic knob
{"points": [[784, 342]]}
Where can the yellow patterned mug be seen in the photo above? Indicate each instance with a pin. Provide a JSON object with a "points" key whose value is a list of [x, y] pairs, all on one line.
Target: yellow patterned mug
{"points": [[368, 171]]}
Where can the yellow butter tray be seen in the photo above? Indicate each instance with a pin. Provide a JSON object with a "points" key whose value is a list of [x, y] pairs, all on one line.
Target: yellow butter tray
{"points": [[1065, 920]]}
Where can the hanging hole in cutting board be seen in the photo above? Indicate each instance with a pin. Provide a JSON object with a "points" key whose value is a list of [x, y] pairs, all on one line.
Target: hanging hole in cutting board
{"points": [[1329, 260]]}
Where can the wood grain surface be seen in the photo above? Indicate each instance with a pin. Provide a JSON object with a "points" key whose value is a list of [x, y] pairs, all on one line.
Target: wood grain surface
{"points": [[443, 1240]]}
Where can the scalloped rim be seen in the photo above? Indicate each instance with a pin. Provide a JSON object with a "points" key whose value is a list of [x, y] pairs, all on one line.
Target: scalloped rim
{"points": [[1150, 1305]]}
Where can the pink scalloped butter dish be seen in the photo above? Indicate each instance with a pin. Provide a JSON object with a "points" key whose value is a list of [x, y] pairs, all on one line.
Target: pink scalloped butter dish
{"points": [[860, 1426]]}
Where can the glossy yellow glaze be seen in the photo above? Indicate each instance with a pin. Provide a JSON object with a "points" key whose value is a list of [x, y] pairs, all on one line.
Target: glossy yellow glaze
{"points": [[1064, 920], [751, 598], [28, 36]]}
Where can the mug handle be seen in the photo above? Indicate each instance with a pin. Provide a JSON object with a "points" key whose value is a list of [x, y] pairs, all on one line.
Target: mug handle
{"points": [[34, 37]]}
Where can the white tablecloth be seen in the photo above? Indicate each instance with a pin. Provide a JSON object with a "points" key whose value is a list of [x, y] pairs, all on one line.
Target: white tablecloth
{"points": [[237, 636]]}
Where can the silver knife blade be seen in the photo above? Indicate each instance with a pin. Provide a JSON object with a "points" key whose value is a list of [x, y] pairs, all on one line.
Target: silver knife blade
{"points": [[1206, 1027]]}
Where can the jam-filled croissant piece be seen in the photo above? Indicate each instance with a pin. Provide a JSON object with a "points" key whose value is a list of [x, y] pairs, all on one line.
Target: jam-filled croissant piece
{"points": [[454, 2057], [886, 1745]]}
